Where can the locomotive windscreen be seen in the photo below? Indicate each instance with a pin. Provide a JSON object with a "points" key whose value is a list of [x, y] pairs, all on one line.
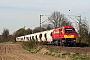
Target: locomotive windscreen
{"points": [[68, 30]]}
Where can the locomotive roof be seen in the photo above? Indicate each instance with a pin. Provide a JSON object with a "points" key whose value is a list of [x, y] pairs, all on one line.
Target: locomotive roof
{"points": [[64, 27]]}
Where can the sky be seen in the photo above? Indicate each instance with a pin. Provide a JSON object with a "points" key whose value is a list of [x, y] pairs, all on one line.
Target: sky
{"points": [[15, 14]]}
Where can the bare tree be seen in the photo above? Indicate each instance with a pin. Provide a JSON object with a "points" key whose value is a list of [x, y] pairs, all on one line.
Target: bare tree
{"points": [[20, 32], [88, 40], [14, 35], [58, 19], [47, 26], [83, 30], [37, 29], [5, 34], [28, 31]]}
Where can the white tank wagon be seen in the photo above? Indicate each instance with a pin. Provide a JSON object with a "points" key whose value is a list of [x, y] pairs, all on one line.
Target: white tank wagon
{"points": [[21, 38], [45, 36], [49, 36]]}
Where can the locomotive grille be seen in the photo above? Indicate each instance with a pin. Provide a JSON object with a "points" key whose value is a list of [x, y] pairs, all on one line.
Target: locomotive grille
{"points": [[69, 40]]}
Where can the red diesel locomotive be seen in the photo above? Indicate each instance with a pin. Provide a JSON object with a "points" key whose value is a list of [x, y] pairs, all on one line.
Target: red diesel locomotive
{"points": [[65, 35]]}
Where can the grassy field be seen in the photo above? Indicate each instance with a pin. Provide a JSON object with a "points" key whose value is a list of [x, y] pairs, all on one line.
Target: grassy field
{"points": [[34, 47]]}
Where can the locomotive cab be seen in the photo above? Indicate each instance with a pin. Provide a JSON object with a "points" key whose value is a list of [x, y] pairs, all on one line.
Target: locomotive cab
{"points": [[69, 36], [65, 35]]}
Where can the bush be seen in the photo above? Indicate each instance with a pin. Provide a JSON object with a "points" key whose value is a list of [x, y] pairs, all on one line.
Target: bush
{"points": [[2, 41], [31, 44]]}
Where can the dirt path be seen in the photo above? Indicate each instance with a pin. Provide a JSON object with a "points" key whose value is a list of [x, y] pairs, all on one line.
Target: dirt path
{"points": [[16, 52]]}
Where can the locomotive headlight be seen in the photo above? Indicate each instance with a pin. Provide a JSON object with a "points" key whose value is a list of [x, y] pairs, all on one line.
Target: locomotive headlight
{"points": [[63, 40], [74, 40]]}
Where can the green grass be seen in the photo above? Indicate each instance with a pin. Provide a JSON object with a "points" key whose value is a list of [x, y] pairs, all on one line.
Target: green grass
{"points": [[53, 50], [59, 54], [79, 56], [65, 54], [32, 46], [3, 41]]}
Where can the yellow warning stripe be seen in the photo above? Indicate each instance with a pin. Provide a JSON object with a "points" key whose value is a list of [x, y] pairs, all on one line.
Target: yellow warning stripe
{"points": [[68, 36]]}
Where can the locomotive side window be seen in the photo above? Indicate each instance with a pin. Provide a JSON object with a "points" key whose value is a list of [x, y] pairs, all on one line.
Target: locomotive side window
{"points": [[68, 30], [40, 36], [74, 30]]}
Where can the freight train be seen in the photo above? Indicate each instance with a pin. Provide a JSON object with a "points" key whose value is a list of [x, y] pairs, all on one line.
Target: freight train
{"points": [[65, 35]]}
